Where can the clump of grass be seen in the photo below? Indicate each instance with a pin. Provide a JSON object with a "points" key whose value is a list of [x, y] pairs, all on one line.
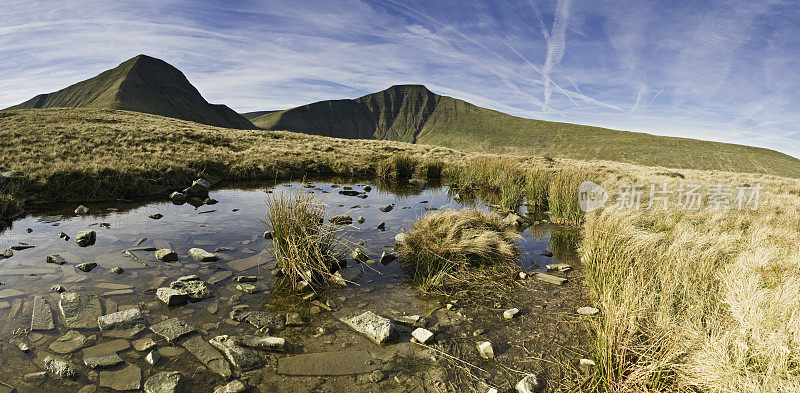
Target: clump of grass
{"points": [[304, 247], [501, 176], [448, 249], [537, 188], [562, 196], [400, 166], [431, 168]]}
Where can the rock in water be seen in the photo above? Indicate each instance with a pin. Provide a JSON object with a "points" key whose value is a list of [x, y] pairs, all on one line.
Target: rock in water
{"points": [[82, 210], [42, 315], [202, 255], [266, 343], [56, 259], [240, 357], [378, 329], [60, 368], [359, 255], [86, 267], [125, 324], [178, 198], [172, 297], [263, 319], [172, 329], [386, 208], [86, 238], [166, 255], [164, 382], [195, 289], [341, 220], [198, 189], [209, 356], [387, 258], [69, 342], [127, 378], [348, 275]]}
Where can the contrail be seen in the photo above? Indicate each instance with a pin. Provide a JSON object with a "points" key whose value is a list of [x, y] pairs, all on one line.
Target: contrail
{"points": [[556, 45]]}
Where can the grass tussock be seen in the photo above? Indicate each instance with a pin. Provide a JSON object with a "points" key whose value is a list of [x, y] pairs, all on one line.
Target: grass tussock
{"points": [[304, 247], [562, 196], [537, 188], [448, 249], [502, 178]]}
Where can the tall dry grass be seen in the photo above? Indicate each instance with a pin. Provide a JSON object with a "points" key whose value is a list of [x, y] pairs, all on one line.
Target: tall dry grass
{"points": [[447, 249]]}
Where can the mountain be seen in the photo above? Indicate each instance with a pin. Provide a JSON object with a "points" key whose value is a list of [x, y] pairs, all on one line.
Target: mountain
{"points": [[253, 115], [142, 84], [412, 113]]}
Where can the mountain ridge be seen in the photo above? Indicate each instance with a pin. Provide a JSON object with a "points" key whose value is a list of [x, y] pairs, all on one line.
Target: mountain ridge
{"points": [[141, 84]]}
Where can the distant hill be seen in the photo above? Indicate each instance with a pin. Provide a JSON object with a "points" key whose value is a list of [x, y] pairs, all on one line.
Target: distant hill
{"points": [[412, 113], [253, 115], [142, 84]]}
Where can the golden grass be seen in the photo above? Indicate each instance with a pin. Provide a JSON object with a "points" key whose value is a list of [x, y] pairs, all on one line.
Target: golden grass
{"points": [[449, 248]]}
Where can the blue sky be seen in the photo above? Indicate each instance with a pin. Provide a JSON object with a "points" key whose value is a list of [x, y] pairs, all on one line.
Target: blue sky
{"points": [[718, 70]]}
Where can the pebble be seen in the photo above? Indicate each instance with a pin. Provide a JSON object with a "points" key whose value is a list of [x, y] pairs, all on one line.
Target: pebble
{"points": [[587, 311], [486, 350], [510, 313], [117, 270]]}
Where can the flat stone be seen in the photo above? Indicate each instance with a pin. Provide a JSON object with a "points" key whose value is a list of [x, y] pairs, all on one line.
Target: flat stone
{"points": [[61, 368], [127, 378], [10, 293], [348, 275], [126, 323], [247, 263], [202, 255], [378, 329], [422, 335], [328, 363], [551, 279], [247, 288], [172, 329], [164, 382], [105, 349], [166, 255], [219, 276], [265, 343], [263, 319], [30, 377], [562, 267], [103, 361], [206, 354], [236, 386], [69, 342], [143, 344], [240, 357], [195, 289], [118, 292], [245, 278], [41, 315], [172, 297], [588, 311], [510, 313], [387, 258], [486, 350], [80, 310], [171, 352]]}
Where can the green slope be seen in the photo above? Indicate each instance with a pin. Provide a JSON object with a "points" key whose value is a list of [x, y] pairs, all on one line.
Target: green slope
{"points": [[253, 115], [142, 84], [411, 113]]}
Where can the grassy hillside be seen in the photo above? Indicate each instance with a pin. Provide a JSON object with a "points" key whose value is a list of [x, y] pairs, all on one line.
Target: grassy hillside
{"points": [[141, 84], [253, 115], [411, 113]]}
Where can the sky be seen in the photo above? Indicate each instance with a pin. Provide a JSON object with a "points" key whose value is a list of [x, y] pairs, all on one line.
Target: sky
{"points": [[715, 70]]}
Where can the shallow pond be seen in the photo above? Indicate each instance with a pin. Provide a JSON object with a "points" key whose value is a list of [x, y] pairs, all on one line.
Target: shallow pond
{"points": [[232, 230]]}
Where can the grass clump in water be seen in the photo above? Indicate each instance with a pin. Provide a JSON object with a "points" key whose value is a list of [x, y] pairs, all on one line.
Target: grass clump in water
{"points": [[399, 166], [562, 196], [448, 249], [304, 247]]}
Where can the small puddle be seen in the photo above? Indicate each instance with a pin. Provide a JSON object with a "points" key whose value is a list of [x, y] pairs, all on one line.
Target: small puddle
{"points": [[233, 230]]}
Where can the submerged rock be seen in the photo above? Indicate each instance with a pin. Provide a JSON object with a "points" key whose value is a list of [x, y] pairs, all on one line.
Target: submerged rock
{"points": [[164, 382], [341, 220], [86, 238], [172, 329], [240, 357], [348, 275], [80, 310], [266, 320], [126, 323], [61, 368], [206, 354], [378, 329], [41, 315], [127, 378], [105, 361], [69, 342]]}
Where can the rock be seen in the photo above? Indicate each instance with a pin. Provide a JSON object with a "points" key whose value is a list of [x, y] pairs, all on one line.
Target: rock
{"points": [[247, 288], [562, 267], [82, 210], [382, 226], [378, 329], [400, 238], [7, 253], [202, 255], [206, 354], [178, 198], [386, 208], [56, 259], [143, 344], [367, 188], [377, 376], [69, 342], [530, 384], [348, 275], [422, 335], [341, 220], [117, 270], [349, 192], [86, 267], [294, 319], [152, 358], [172, 329], [359, 255], [41, 315], [548, 278], [245, 278], [236, 386], [265, 320], [510, 313], [164, 382], [587, 311], [195, 289], [86, 238], [268, 235], [60, 368], [107, 361], [127, 378], [240, 357], [522, 275], [172, 297], [58, 288], [411, 320], [24, 347], [156, 216], [328, 364], [512, 220], [586, 365], [171, 352], [240, 313], [361, 219], [127, 323], [31, 377], [210, 201], [486, 350], [198, 189], [265, 343], [166, 255], [387, 258]]}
